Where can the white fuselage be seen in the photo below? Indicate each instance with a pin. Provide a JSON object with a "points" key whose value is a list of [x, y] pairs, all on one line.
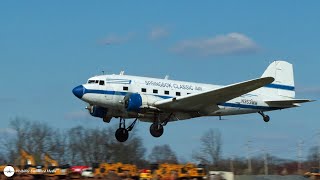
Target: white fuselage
{"points": [[108, 91]]}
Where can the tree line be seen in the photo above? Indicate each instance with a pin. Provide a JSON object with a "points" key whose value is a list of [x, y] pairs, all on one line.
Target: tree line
{"points": [[84, 146]]}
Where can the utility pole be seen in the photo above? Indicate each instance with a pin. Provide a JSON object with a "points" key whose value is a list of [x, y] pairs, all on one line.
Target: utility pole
{"points": [[319, 151], [266, 170], [300, 156], [231, 164], [248, 157]]}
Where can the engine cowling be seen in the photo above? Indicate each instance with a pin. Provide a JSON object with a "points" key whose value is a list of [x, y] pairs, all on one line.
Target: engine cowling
{"points": [[98, 111], [135, 101]]}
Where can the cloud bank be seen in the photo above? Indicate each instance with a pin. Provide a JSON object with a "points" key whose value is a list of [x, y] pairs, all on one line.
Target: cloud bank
{"points": [[229, 44]]}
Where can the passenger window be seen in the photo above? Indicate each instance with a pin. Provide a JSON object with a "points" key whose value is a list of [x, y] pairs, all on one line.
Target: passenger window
{"points": [[166, 92], [178, 94], [125, 88], [101, 83], [155, 91], [188, 93], [143, 90]]}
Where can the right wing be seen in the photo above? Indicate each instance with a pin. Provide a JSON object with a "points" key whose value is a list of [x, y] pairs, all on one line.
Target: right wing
{"points": [[208, 101]]}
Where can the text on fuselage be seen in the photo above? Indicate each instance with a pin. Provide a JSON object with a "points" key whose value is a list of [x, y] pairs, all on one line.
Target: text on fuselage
{"points": [[249, 102], [173, 85]]}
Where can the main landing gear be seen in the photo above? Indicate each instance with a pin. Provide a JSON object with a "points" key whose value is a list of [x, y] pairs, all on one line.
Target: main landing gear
{"points": [[266, 118], [122, 133], [156, 128]]}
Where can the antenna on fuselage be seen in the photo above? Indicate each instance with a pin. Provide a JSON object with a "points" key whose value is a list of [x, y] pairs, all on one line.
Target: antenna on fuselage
{"points": [[102, 72], [121, 73], [167, 77]]}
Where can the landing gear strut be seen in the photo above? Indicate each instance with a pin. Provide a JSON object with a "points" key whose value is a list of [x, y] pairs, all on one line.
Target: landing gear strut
{"points": [[122, 133], [266, 118], [156, 128]]}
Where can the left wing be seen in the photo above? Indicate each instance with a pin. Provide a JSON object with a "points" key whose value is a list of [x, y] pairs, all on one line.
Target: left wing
{"points": [[206, 102]]}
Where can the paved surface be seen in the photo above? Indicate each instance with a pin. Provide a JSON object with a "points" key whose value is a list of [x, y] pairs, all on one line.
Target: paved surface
{"points": [[270, 177]]}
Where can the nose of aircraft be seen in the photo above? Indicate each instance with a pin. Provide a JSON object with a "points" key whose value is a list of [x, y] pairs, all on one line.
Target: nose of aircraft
{"points": [[78, 91]]}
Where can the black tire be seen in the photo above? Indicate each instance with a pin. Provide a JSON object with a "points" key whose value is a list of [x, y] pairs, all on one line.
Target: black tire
{"points": [[156, 130], [266, 118], [122, 134]]}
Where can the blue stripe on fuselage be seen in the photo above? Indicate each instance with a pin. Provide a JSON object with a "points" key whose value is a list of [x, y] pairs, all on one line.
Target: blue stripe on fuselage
{"points": [[246, 106], [236, 105], [280, 86], [94, 91]]}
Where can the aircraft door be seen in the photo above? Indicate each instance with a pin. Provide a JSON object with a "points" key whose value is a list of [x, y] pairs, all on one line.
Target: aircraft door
{"points": [[107, 90]]}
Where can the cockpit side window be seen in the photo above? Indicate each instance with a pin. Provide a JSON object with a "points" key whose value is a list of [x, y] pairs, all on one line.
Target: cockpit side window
{"points": [[91, 81], [101, 82]]}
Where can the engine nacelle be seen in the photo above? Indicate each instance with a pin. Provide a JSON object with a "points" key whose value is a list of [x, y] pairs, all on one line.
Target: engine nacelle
{"points": [[135, 101], [98, 111]]}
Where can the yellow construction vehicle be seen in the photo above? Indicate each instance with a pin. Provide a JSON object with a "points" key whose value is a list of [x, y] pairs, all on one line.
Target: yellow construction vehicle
{"points": [[2, 176], [314, 173], [145, 174], [122, 170], [53, 170], [194, 172], [167, 171], [103, 169], [29, 167], [179, 171], [127, 171]]}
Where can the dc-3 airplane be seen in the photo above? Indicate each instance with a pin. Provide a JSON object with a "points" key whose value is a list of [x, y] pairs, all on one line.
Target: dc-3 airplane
{"points": [[160, 101]]}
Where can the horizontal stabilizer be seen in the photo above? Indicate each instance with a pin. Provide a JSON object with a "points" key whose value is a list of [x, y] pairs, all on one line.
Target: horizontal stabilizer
{"points": [[287, 102]]}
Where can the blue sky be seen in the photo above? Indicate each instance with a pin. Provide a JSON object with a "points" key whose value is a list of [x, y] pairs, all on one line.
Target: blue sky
{"points": [[49, 47]]}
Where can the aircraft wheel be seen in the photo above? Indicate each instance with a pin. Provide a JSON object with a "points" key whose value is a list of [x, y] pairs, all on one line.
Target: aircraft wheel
{"points": [[122, 134], [156, 130], [266, 118]]}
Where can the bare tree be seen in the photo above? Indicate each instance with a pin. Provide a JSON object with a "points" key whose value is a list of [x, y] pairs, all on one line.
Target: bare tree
{"points": [[33, 136], [77, 145], [58, 148], [131, 151], [313, 157], [211, 148], [163, 154], [87, 146]]}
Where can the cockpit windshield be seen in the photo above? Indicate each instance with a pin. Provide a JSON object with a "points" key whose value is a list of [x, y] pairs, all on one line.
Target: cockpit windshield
{"points": [[93, 81]]}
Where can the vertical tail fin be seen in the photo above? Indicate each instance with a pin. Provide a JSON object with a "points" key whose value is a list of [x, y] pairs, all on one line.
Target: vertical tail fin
{"points": [[283, 84]]}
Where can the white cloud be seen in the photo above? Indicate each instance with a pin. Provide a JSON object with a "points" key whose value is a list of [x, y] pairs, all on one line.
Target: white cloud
{"points": [[158, 33], [112, 39], [229, 44]]}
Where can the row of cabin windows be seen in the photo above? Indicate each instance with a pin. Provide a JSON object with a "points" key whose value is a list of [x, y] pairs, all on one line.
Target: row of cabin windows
{"points": [[155, 91]]}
